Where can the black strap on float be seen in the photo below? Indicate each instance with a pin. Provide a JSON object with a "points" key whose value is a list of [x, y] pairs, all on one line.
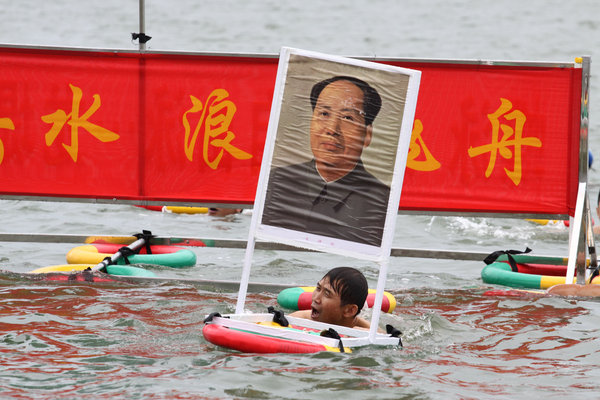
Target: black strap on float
{"points": [[393, 332], [513, 264], [278, 316], [332, 333], [595, 273], [107, 261], [126, 252], [147, 236], [594, 268], [211, 316]]}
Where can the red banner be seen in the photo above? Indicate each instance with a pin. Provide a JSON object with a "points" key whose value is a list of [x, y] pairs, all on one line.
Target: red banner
{"points": [[191, 128]]}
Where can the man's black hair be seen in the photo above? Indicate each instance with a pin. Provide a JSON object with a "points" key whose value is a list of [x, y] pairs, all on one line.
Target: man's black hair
{"points": [[371, 101], [350, 284]]}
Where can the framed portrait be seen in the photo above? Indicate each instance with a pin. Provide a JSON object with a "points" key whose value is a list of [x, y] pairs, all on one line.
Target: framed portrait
{"points": [[335, 154]]}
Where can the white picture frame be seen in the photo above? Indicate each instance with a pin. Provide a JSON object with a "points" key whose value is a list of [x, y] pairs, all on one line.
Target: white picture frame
{"points": [[300, 69]]}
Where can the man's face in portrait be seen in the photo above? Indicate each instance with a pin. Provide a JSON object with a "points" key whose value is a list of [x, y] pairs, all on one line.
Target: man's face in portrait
{"points": [[337, 130]]}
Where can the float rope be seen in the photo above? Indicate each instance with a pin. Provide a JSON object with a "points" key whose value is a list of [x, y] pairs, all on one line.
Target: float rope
{"points": [[513, 264]]}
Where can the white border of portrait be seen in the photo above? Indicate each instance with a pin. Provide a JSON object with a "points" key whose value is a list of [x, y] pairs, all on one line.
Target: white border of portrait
{"points": [[324, 243]]}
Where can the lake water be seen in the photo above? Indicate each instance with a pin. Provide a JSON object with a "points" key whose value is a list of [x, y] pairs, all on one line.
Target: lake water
{"points": [[119, 340]]}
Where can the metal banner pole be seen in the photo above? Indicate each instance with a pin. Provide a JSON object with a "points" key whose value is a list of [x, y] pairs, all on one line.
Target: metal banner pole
{"points": [[142, 43]]}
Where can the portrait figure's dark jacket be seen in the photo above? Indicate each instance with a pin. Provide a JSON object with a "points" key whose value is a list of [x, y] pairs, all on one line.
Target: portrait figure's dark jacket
{"points": [[351, 208]]}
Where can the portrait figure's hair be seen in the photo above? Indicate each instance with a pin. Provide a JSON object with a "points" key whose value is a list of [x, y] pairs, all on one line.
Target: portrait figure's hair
{"points": [[350, 284], [371, 101]]}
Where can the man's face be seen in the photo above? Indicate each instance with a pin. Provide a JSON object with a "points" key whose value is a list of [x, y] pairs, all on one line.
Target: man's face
{"points": [[326, 304], [337, 129]]}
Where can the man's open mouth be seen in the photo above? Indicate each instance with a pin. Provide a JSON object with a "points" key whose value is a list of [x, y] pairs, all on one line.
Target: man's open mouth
{"points": [[314, 313]]}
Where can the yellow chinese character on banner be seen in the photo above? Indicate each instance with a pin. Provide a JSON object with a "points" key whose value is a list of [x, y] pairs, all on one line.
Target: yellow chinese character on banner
{"points": [[217, 114], [511, 136], [59, 118], [417, 144], [5, 123]]}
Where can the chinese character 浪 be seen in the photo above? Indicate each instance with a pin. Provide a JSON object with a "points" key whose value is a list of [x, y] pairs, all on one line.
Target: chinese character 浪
{"points": [[59, 118], [215, 119], [502, 145]]}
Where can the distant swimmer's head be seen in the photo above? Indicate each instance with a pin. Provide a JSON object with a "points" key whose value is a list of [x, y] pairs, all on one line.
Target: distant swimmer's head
{"points": [[221, 212]]}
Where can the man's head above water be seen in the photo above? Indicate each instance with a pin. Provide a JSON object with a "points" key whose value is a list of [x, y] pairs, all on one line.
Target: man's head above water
{"points": [[338, 298]]}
